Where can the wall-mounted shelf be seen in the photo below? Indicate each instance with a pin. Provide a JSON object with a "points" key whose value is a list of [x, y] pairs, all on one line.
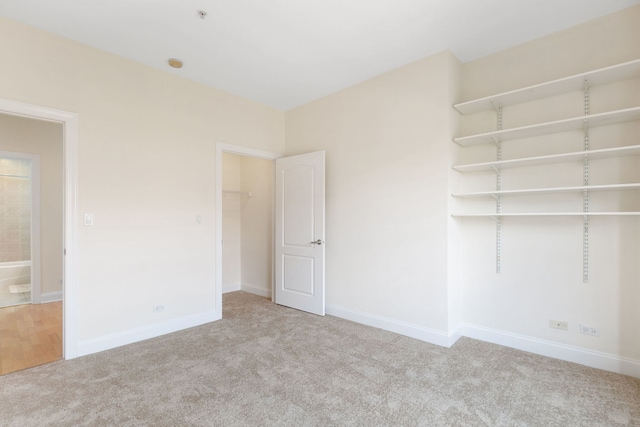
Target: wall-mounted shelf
{"points": [[581, 214], [574, 123], [579, 82], [552, 158], [573, 83], [576, 189]]}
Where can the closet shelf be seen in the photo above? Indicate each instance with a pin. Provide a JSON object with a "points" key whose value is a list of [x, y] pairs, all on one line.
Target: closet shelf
{"points": [[581, 214], [552, 158], [576, 189], [568, 84], [238, 193], [574, 123]]}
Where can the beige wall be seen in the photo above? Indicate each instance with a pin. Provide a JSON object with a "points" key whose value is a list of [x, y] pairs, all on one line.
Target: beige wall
{"points": [[43, 138], [454, 241], [387, 143], [606, 41], [146, 161], [231, 222], [542, 257], [257, 225]]}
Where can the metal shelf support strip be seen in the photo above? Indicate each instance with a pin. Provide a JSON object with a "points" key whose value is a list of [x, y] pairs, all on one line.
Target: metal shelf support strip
{"points": [[585, 195], [499, 198]]}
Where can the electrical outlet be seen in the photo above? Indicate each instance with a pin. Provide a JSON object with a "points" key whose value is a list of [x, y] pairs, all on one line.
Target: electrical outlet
{"points": [[588, 330], [558, 324], [158, 308]]}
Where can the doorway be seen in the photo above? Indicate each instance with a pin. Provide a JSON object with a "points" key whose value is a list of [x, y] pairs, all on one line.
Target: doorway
{"points": [[68, 122], [31, 231], [247, 224], [244, 221]]}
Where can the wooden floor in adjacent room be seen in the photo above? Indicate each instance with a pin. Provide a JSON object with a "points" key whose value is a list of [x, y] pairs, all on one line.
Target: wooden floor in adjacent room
{"points": [[30, 335]]}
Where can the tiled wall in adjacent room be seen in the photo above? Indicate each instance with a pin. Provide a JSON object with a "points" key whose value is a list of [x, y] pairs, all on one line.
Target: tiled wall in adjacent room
{"points": [[15, 210]]}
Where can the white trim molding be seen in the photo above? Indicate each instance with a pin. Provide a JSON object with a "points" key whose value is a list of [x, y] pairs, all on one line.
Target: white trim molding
{"points": [[255, 290], [50, 297], [432, 336], [230, 287], [582, 356], [131, 336], [69, 122]]}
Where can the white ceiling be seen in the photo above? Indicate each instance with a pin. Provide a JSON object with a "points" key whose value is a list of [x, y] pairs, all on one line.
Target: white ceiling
{"points": [[285, 53]]}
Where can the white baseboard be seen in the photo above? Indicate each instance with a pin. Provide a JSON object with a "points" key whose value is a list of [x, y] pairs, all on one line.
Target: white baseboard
{"points": [[256, 290], [230, 287], [432, 336], [107, 342], [50, 297], [594, 359]]}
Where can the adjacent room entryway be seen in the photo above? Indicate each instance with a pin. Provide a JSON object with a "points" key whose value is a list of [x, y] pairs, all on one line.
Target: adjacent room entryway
{"points": [[31, 242]]}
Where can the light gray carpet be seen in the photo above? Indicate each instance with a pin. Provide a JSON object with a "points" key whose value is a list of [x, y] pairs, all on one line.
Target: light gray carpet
{"points": [[265, 365]]}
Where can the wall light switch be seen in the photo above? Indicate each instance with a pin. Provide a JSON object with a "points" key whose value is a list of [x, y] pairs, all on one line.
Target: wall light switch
{"points": [[88, 219]]}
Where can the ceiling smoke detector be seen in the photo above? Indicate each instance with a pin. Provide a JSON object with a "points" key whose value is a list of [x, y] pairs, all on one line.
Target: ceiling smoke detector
{"points": [[202, 14], [175, 63]]}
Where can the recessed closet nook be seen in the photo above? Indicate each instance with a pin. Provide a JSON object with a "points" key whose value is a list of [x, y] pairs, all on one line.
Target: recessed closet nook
{"points": [[247, 224]]}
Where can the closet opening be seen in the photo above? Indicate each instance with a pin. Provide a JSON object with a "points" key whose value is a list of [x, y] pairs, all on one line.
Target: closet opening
{"points": [[246, 223]]}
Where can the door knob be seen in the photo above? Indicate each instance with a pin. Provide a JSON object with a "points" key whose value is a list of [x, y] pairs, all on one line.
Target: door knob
{"points": [[317, 242]]}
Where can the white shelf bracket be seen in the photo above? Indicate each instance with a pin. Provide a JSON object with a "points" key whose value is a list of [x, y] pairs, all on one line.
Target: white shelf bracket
{"points": [[498, 244]]}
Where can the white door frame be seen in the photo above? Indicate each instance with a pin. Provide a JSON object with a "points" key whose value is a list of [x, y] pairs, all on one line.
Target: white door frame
{"points": [[36, 289], [69, 123], [222, 147]]}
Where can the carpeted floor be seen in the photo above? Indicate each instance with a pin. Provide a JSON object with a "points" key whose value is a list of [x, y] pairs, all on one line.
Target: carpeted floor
{"points": [[265, 365]]}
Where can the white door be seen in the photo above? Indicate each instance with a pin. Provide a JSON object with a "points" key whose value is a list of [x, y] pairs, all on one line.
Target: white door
{"points": [[299, 230]]}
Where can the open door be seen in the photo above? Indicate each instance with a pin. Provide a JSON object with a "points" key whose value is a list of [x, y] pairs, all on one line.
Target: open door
{"points": [[299, 232]]}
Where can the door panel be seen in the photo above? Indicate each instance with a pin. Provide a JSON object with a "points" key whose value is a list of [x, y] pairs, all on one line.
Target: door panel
{"points": [[299, 232], [298, 274], [298, 205]]}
